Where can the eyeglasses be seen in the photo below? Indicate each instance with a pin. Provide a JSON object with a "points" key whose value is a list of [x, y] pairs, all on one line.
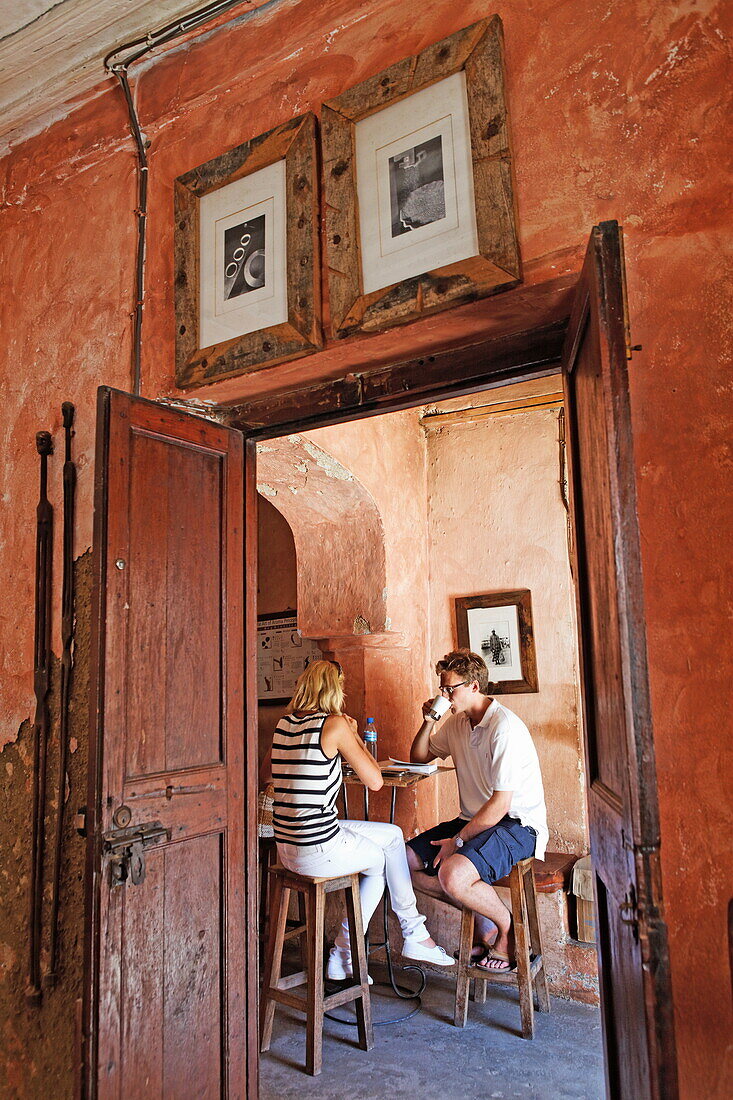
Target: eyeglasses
{"points": [[448, 689]]}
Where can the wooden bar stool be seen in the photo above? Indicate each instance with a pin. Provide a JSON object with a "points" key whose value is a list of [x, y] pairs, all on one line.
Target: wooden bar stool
{"points": [[309, 931], [529, 973]]}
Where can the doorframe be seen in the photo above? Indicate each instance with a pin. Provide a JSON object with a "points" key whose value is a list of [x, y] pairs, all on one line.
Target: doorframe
{"points": [[533, 352], [529, 353]]}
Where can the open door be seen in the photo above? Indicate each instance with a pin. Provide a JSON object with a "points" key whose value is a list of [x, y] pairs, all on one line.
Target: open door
{"points": [[171, 947], [622, 792]]}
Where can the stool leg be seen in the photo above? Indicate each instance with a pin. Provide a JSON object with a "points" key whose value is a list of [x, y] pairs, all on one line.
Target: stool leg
{"points": [[521, 946], [535, 939], [303, 937], [460, 1008], [273, 961], [266, 853], [363, 1003], [479, 991], [315, 906]]}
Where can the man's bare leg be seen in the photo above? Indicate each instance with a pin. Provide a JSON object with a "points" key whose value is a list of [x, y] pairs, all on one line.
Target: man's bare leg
{"points": [[427, 883], [460, 880], [484, 930]]}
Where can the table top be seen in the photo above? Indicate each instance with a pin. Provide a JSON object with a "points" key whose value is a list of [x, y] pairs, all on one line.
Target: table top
{"points": [[396, 778]]}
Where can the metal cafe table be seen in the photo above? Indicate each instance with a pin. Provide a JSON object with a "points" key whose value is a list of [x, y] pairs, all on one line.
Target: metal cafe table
{"points": [[394, 780]]}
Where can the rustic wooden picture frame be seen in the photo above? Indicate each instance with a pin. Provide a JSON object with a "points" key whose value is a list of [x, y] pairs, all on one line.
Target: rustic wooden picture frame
{"points": [[294, 142], [478, 51], [521, 599]]}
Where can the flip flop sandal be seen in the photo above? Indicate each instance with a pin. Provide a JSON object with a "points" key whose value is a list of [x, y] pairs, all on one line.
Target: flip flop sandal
{"points": [[505, 967], [475, 959]]}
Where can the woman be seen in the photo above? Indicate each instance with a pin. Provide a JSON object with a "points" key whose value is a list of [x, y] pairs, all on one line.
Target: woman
{"points": [[307, 750]]}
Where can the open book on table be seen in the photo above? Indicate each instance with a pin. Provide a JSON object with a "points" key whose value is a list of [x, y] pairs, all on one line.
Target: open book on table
{"points": [[409, 766]]}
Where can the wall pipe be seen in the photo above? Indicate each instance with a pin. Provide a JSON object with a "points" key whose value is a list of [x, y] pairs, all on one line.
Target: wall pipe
{"points": [[116, 63]]}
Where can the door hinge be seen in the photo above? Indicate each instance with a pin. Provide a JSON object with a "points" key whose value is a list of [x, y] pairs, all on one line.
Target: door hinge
{"points": [[631, 911], [80, 821], [126, 851], [642, 849]]}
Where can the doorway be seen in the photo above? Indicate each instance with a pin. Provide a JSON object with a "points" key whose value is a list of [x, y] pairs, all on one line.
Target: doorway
{"points": [[468, 496], [202, 795]]}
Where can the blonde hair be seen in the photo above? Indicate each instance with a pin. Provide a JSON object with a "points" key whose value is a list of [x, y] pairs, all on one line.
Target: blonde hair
{"points": [[320, 687]]}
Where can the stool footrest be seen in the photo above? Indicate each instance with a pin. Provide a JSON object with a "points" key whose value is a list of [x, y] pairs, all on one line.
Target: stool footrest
{"points": [[503, 977], [296, 930], [333, 1000], [290, 981]]}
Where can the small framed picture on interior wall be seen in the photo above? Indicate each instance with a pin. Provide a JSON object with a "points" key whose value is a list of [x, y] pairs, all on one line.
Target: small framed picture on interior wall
{"points": [[419, 198], [247, 256], [498, 626]]}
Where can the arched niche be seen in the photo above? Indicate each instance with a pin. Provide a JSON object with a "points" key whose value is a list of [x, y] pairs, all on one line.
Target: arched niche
{"points": [[339, 539]]}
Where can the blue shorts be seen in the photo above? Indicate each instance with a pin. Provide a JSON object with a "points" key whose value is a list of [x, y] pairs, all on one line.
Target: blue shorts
{"points": [[493, 852]]}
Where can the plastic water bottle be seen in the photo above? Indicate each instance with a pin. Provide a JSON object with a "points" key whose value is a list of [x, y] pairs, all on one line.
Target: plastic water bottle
{"points": [[370, 737]]}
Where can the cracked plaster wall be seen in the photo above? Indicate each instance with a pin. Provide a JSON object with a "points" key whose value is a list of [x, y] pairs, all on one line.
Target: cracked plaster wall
{"points": [[338, 535], [497, 523], [617, 111], [39, 1046]]}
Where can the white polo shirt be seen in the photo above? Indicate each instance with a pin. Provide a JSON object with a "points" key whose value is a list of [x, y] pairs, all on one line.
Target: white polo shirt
{"points": [[496, 755]]}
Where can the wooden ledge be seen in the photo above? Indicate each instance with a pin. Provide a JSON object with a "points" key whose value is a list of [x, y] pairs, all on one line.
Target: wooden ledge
{"points": [[551, 873]]}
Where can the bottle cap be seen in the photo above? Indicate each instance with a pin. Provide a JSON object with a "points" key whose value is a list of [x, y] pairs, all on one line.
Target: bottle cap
{"points": [[369, 721]]}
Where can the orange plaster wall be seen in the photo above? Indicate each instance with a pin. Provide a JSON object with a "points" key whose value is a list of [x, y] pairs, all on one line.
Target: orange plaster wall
{"points": [[387, 454], [617, 111], [497, 523]]}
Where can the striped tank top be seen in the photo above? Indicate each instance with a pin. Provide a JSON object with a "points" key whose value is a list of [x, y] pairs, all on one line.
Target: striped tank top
{"points": [[306, 782]]}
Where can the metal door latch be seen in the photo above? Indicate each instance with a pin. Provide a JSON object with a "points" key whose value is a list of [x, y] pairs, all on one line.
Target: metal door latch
{"points": [[126, 849]]}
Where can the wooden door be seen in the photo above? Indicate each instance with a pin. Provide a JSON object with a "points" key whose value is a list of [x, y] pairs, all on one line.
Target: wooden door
{"points": [[170, 981], [622, 794]]}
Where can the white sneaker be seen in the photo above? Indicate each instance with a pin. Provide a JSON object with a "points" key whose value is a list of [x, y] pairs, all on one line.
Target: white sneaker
{"points": [[413, 949], [339, 965]]}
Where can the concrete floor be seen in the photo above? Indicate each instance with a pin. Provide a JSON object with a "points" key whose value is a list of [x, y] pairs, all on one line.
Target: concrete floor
{"points": [[427, 1057]]}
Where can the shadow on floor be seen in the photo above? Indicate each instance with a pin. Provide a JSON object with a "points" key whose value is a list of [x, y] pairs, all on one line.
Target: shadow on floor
{"points": [[428, 1057]]}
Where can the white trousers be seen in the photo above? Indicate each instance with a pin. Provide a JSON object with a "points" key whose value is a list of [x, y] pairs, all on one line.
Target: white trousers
{"points": [[377, 851]]}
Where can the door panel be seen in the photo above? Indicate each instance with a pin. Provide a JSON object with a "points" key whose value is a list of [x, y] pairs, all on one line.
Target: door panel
{"points": [[622, 801], [168, 971]]}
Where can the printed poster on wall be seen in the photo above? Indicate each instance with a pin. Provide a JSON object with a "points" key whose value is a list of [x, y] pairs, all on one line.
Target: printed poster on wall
{"points": [[282, 654]]}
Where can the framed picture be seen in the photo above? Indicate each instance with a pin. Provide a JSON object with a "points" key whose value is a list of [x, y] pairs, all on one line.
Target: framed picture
{"points": [[418, 188], [247, 257], [282, 654], [498, 626]]}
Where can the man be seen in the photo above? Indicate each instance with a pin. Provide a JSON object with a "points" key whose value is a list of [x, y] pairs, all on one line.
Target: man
{"points": [[496, 648], [503, 817]]}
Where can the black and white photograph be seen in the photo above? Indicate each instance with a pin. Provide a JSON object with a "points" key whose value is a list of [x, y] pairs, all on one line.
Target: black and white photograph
{"points": [[494, 634], [244, 257], [496, 647], [417, 186]]}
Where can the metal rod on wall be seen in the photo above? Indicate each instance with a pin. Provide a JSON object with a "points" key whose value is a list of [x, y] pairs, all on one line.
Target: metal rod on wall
{"points": [[41, 683], [67, 635]]}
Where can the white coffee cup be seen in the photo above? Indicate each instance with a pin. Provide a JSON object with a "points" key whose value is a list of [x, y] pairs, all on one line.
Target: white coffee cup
{"points": [[438, 707]]}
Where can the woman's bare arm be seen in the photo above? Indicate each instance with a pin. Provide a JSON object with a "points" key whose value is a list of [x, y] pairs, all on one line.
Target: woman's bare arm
{"points": [[340, 734]]}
